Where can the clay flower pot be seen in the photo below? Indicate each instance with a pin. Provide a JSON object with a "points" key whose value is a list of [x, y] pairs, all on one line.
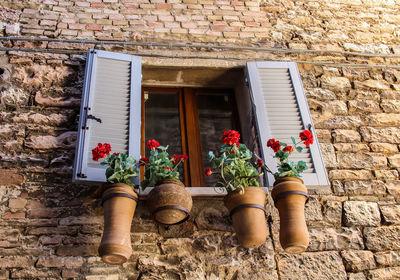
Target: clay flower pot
{"points": [[169, 203], [290, 196], [119, 203], [248, 216]]}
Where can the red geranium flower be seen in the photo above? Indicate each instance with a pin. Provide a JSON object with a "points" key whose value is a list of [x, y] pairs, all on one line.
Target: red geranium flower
{"points": [[116, 154], [209, 172], [274, 145], [260, 163], [168, 168], [101, 151], [144, 160], [307, 137], [175, 159], [152, 144], [231, 137], [288, 149]]}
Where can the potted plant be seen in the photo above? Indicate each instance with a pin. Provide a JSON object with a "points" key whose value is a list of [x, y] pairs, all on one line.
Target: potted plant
{"points": [[119, 202], [168, 202], [245, 199], [289, 193]]}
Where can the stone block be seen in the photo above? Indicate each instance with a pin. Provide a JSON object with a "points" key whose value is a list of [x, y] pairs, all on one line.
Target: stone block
{"points": [[336, 83], [364, 106], [332, 211], [390, 214], [393, 187], [383, 147], [391, 258], [388, 273], [361, 213], [382, 238], [346, 136], [382, 119], [361, 160], [65, 140], [321, 265], [394, 161], [325, 239], [312, 210], [386, 174], [328, 154], [390, 106], [381, 134], [356, 276], [350, 175], [358, 260], [351, 147], [342, 122], [372, 84], [364, 187]]}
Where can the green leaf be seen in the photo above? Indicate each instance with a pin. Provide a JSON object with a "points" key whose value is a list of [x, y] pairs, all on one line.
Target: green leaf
{"points": [[299, 149]]}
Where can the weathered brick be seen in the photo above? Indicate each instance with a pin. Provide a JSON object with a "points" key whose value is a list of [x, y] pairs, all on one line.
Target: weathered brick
{"points": [[80, 250], [10, 177], [67, 262], [17, 203], [16, 261]]}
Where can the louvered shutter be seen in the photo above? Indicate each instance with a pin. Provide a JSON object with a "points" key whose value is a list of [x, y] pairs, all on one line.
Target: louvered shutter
{"points": [[110, 110], [281, 112]]}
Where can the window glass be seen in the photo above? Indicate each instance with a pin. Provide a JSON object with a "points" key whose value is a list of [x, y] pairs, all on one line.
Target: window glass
{"points": [[163, 123], [215, 116]]}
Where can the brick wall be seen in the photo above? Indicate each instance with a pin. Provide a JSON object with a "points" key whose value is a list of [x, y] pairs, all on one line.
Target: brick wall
{"points": [[348, 54]]}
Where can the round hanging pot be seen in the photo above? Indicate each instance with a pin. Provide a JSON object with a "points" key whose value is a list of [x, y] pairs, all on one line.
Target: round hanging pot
{"points": [[169, 203], [248, 216], [290, 195], [119, 203]]}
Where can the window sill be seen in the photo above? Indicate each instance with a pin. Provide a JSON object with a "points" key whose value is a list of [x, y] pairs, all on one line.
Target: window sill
{"points": [[196, 192]]}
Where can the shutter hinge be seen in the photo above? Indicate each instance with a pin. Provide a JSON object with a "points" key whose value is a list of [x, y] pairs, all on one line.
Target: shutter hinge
{"points": [[246, 81], [86, 114], [81, 175], [91, 117]]}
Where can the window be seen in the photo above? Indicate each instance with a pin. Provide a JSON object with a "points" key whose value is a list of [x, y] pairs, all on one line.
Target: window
{"points": [[191, 121], [114, 104]]}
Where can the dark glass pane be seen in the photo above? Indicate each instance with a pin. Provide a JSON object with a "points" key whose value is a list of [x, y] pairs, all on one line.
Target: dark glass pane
{"points": [[162, 122], [215, 116]]}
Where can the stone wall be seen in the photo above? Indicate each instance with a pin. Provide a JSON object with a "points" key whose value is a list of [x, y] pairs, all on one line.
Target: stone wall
{"points": [[348, 53]]}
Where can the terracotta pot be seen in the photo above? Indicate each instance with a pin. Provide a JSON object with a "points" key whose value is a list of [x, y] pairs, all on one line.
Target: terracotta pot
{"points": [[248, 216], [169, 203], [290, 196], [119, 203]]}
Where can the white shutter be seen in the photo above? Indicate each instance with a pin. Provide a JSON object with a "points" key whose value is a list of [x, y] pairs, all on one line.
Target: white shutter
{"points": [[281, 112], [110, 110]]}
